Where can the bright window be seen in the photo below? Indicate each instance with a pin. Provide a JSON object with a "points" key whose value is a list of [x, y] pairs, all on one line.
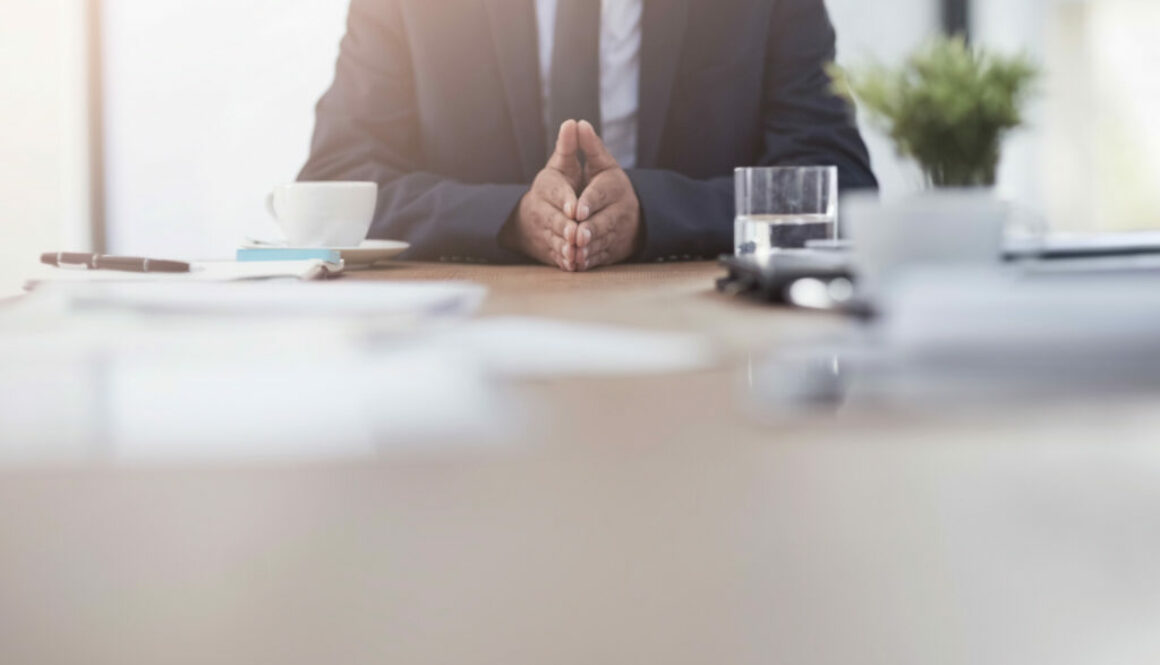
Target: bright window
{"points": [[1091, 159]]}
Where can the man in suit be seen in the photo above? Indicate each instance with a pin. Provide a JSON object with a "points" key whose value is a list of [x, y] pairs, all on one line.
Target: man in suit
{"points": [[641, 110]]}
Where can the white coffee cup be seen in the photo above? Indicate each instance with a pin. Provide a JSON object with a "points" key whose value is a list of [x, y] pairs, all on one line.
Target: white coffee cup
{"points": [[324, 214]]}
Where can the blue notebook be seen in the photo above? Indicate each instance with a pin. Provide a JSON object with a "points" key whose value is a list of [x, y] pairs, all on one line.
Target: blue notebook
{"points": [[288, 254]]}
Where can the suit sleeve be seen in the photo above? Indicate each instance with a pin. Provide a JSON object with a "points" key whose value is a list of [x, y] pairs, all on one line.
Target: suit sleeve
{"points": [[367, 129], [804, 124]]}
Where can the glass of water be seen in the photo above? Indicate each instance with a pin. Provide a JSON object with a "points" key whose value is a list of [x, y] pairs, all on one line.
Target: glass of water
{"points": [[785, 208]]}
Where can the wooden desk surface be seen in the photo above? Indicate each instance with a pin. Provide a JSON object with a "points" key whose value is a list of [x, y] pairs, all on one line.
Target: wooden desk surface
{"points": [[664, 528], [662, 410], [668, 296]]}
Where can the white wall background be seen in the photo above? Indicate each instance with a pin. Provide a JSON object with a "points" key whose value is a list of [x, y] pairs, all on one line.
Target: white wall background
{"points": [[210, 103], [876, 29], [44, 187]]}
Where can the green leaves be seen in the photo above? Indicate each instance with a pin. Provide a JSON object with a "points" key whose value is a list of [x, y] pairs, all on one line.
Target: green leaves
{"points": [[948, 107]]}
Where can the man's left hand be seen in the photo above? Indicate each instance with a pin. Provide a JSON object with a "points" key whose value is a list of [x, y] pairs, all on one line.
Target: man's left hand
{"points": [[608, 210]]}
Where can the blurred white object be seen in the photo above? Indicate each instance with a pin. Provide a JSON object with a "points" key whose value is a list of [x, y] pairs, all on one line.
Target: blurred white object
{"points": [[940, 228], [941, 309], [358, 299], [962, 336], [950, 338], [160, 404], [352, 405], [541, 348]]}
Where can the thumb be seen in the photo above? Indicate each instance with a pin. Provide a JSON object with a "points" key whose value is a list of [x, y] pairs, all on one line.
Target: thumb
{"points": [[599, 159], [567, 146]]}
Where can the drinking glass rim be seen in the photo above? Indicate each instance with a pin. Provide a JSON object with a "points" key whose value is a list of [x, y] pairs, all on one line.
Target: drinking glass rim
{"points": [[776, 169]]}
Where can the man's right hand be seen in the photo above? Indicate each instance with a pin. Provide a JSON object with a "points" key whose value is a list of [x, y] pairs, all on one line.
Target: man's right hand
{"points": [[545, 227]]}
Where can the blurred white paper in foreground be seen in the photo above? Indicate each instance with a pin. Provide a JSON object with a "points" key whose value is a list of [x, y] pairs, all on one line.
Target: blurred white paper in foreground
{"points": [[156, 405], [357, 405], [949, 339], [542, 348], [953, 310], [950, 336], [335, 298]]}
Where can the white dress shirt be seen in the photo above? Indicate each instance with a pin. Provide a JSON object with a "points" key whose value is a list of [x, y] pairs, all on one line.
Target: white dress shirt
{"points": [[620, 39]]}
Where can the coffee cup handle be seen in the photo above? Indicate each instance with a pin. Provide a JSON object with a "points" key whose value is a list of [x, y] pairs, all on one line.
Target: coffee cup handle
{"points": [[270, 205]]}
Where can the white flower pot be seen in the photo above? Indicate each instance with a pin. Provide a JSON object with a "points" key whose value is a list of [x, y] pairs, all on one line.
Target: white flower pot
{"points": [[946, 228]]}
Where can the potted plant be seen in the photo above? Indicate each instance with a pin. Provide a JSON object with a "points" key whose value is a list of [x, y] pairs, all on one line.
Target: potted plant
{"points": [[949, 107]]}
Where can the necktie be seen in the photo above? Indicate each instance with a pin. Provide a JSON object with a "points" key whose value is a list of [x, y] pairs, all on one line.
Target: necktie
{"points": [[575, 85]]}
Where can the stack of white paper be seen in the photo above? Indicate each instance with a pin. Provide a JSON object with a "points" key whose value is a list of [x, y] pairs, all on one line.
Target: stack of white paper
{"points": [[357, 299]]}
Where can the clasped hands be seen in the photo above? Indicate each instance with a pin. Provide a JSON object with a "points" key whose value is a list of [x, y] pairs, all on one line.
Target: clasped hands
{"points": [[579, 217]]}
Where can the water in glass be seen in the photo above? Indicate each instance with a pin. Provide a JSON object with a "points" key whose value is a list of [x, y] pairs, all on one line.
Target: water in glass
{"points": [[762, 234]]}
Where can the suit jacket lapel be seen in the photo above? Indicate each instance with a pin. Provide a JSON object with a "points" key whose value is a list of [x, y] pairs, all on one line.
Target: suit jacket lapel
{"points": [[664, 25], [514, 34]]}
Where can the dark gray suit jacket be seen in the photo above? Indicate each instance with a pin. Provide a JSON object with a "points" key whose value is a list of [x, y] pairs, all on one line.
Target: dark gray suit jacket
{"points": [[439, 102]]}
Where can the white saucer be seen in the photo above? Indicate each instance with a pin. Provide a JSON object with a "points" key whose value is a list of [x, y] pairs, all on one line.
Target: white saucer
{"points": [[371, 252], [365, 255]]}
